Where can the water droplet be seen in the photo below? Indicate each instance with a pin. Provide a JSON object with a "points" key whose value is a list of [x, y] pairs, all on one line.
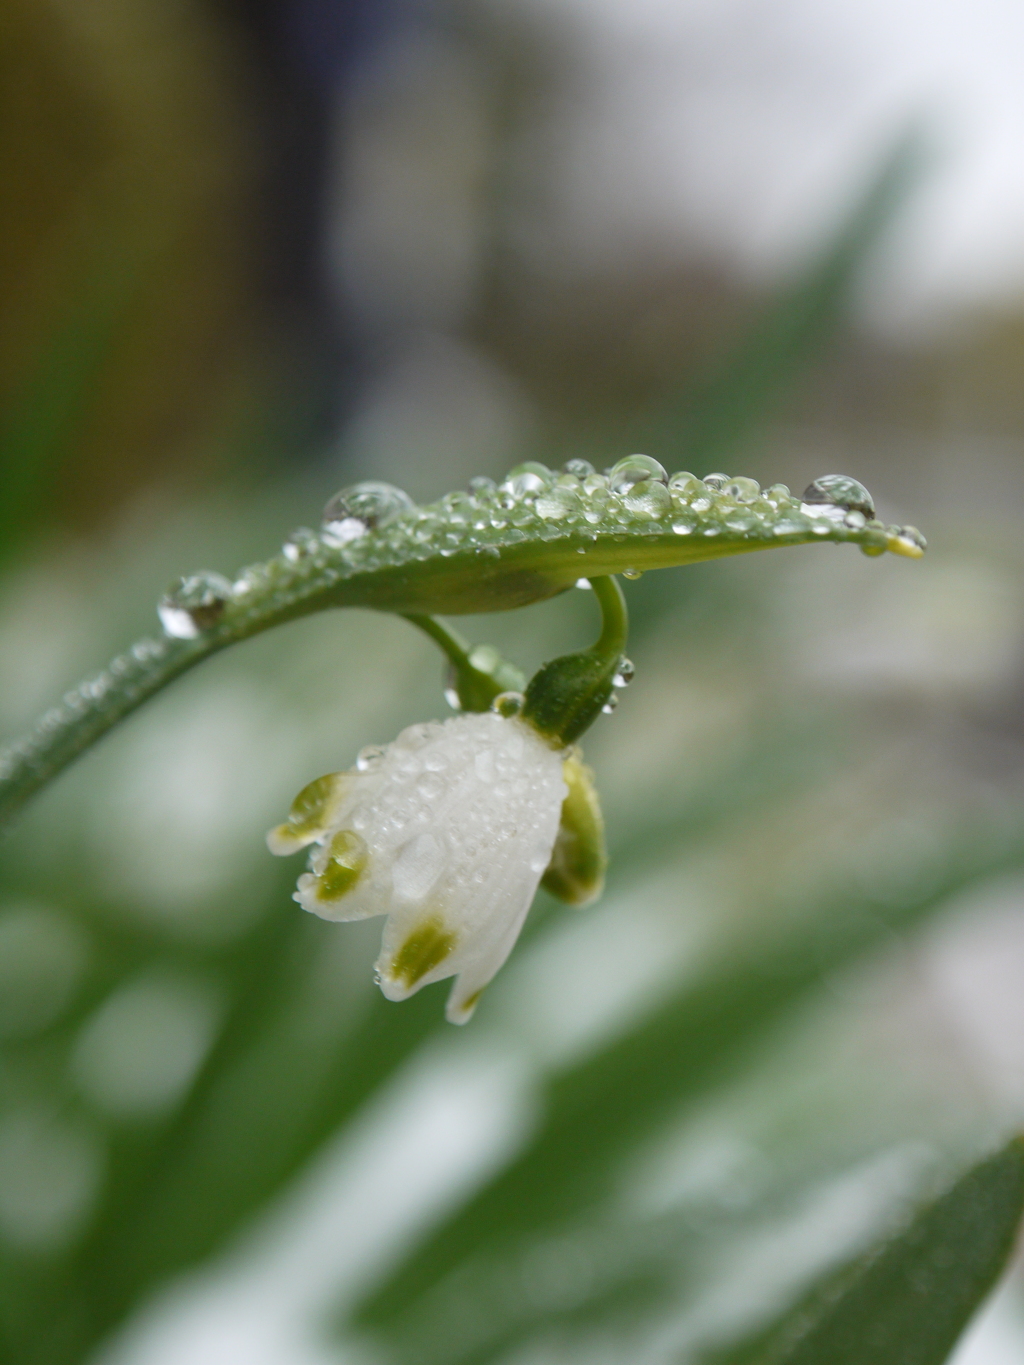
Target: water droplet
{"points": [[632, 573], [779, 492], [648, 498], [526, 478], [460, 508], [557, 504], [906, 540], [583, 583], [194, 604], [716, 481], [582, 469], [301, 544], [684, 484], [610, 704], [451, 689], [363, 507], [742, 489], [838, 490], [508, 704], [625, 673], [682, 528], [482, 486], [369, 758], [635, 469], [855, 520]]}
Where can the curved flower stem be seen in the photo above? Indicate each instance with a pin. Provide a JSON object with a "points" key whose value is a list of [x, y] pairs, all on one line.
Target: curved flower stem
{"points": [[614, 618], [479, 673], [567, 695], [456, 646]]}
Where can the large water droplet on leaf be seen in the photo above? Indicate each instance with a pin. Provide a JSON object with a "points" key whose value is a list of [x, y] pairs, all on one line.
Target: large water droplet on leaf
{"points": [[526, 478], [364, 507], [742, 490], [838, 490], [685, 485], [194, 604], [635, 469], [648, 498], [582, 469]]}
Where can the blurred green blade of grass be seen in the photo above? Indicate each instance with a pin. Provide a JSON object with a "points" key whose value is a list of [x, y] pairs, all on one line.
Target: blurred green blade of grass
{"points": [[278, 1084], [908, 1301], [712, 419], [598, 1110]]}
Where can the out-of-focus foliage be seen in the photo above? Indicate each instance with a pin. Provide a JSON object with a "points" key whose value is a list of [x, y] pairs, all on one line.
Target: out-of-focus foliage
{"points": [[908, 1302], [723, 1084]]}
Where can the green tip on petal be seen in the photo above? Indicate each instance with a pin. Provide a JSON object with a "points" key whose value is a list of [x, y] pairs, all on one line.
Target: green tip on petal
{"points": [[346, 862], [426, 948], [310, 816]]}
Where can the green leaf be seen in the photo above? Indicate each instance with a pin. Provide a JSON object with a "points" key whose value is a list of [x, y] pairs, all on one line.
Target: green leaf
{"points": [[908, 1301], [498, 548]]}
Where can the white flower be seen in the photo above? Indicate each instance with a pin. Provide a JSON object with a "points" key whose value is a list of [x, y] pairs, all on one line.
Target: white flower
{"points": [[447, 831]]}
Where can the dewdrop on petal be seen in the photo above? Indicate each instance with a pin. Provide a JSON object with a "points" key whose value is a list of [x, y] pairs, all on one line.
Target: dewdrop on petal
{"points": [[448, 833]]}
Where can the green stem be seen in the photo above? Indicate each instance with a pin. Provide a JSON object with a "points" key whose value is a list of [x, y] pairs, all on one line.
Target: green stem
{"points": [[567, 695], [614, 617], [479, 673], [454, 645]]}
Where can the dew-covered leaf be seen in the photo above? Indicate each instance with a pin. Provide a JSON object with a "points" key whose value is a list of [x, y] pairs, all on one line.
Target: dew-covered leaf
{"points": [[497, 547]]}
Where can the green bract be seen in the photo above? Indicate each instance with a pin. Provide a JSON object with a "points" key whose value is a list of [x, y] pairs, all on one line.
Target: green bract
{"points": [[493, 548]]}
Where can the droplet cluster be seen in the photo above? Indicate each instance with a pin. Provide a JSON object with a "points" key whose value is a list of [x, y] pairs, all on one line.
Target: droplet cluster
{"points": [[90, 708], [373, 526]]}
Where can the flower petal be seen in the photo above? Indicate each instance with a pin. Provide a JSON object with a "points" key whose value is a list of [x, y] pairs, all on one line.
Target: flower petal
{"points": [[313, 812], [447, 832]]}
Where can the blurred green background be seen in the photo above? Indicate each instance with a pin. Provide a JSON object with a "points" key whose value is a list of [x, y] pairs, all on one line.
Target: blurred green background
{"points": [[253, 250]]}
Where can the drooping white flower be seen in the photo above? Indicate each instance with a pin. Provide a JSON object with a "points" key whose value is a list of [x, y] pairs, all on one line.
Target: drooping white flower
{"points": [[447, 831]]}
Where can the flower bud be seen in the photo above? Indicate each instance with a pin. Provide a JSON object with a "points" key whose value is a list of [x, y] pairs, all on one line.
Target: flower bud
{"points": [[579, 858]]}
